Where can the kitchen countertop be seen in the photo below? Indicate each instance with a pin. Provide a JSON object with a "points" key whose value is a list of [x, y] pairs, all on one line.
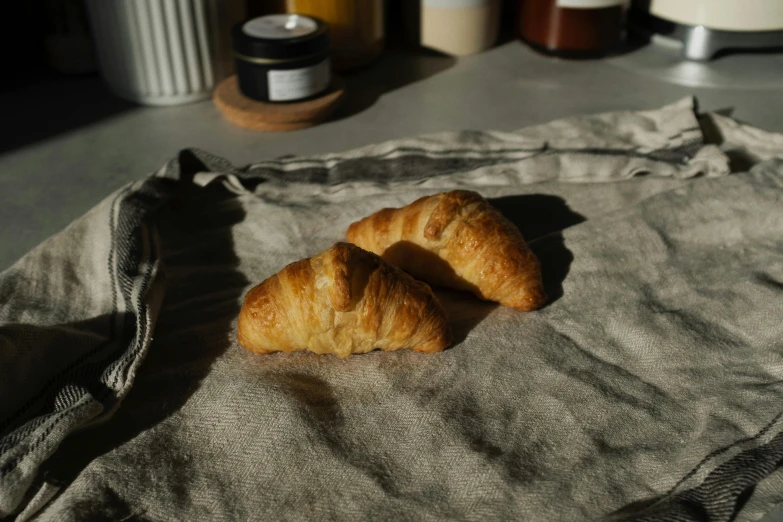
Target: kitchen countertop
{"points": [[66, 153], [47, 181]]}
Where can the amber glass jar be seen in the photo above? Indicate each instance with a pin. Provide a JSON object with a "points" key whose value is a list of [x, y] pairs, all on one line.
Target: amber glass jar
{"points": [[572, 28], [356, 28]]}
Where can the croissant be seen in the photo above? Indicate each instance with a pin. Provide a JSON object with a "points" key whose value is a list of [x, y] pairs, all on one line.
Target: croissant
{"points": [[458, 240], [345, 300]]}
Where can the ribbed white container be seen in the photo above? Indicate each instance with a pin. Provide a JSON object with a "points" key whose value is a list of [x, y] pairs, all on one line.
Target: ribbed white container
{"points": [[164, 52]]}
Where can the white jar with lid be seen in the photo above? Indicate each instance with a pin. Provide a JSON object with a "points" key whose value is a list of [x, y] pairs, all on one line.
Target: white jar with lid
{"points": [[459, 27]]}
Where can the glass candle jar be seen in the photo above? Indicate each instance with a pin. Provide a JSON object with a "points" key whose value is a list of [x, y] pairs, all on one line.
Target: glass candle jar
{"points": [[282, 57]]}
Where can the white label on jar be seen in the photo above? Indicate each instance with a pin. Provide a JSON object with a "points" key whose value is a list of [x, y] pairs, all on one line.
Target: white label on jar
{"points": [[277, 27], [295, 84], [588, 4], [455, 4]]}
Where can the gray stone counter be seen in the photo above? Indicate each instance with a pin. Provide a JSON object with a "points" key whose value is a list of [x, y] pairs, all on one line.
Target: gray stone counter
{"points": [[47, 182]]}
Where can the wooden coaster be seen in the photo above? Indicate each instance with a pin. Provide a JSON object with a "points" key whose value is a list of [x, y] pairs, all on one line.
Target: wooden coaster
{"points": [[269, 117]]}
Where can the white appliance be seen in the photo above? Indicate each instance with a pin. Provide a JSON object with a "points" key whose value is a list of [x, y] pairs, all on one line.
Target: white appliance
{"points": [[708, 26]]}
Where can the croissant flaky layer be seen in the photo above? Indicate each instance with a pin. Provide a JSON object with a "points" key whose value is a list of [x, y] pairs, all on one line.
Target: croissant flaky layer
{"points": [[458, 240], [345, 300]]}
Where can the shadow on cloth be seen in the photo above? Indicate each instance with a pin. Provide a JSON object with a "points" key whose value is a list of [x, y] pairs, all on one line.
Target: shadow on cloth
{"points": [[75, 352], [740, 160], [541, 218], [322, 411], [203, 287]]}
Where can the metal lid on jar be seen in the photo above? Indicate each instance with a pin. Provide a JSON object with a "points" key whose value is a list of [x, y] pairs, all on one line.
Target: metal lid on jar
{"points": [[280, 37]]}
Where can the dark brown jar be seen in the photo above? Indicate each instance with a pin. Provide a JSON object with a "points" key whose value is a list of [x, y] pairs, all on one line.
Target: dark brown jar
{"points": [[572, 28]]}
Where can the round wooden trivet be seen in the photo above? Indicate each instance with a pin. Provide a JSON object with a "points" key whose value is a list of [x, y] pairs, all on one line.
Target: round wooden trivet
{"points": [[263, 116]]}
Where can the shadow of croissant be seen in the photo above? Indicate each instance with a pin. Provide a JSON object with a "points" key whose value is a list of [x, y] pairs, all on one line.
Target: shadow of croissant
{"points": [[454, 293], [541, 218]]}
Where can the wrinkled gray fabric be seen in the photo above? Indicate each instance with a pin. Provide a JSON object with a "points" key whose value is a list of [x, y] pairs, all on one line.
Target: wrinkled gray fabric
{"points": [[648, 388]]}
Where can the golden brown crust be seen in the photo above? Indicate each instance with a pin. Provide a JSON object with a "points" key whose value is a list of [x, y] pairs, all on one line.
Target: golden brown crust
{"points": [[344, 300], [448, 208], [336, 269], [456, 239]]}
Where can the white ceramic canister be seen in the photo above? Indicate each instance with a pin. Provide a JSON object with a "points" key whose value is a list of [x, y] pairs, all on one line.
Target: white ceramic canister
{"points": [[459, 27], [164, 52]]}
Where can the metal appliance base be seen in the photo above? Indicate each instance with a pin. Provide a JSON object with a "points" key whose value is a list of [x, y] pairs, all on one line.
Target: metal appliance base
{"points": [[701, 43], [661, 60]]}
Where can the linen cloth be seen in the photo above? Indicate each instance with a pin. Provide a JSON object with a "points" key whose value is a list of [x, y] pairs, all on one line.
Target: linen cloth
{"points": [[648, 388]]}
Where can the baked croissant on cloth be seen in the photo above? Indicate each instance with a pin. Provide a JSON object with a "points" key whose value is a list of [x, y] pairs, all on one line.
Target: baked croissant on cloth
{"points": [[458, 240], [345, 300]]}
